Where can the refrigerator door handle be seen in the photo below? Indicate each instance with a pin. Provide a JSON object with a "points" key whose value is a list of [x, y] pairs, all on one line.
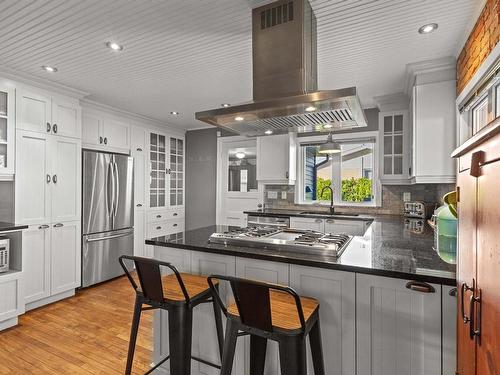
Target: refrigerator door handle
{"points": [[109, 191], [117, 187], [108, 237]]}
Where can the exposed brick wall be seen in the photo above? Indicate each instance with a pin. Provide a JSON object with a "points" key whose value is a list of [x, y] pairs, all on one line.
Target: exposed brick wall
{"points": [[481, 41]]}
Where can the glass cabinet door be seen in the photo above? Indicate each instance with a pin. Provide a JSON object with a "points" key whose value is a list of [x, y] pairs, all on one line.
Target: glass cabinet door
{"points": [[157, 180], [176, 171], [6, 131], [393, 145]]}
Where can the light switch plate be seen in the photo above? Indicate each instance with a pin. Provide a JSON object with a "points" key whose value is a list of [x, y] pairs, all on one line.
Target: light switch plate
{"points": [[272, 194], [283, 195], [406, 197]]}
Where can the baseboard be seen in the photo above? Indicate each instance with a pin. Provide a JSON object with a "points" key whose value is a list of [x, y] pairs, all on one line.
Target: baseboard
{"points": [[51, 299], [8, 323]]}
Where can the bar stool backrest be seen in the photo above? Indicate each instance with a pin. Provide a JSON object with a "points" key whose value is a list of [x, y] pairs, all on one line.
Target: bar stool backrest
{"points": [[253, 301], [150, 278]]}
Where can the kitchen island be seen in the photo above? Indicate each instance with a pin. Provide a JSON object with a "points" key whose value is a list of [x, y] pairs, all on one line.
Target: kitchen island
{"points": [[388, 302]]}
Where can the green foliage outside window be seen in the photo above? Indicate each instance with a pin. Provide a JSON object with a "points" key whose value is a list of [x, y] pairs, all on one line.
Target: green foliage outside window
{"points": [[353, 189]]}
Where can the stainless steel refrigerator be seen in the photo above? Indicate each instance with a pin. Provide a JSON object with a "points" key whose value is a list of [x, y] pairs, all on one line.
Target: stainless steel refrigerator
{"points": [[108, 214]]}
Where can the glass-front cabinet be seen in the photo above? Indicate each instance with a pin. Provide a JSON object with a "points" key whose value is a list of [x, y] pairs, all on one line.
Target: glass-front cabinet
{"points": [[394, 149], [6, 130], [166, 164]]}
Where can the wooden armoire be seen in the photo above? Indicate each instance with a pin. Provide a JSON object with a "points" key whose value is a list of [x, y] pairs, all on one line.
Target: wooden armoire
{"points": [[478, 264]]}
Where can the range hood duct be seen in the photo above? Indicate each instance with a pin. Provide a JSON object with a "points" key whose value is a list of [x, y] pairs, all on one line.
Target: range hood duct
{"points": [[285, 96]]}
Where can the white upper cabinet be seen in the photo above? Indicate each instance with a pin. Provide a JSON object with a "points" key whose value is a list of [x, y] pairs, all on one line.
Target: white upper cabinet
{"points": [[276, 159], [7, 125], [116, 134], [105, 132], [138, 139], [91, 129], [42, 113]]}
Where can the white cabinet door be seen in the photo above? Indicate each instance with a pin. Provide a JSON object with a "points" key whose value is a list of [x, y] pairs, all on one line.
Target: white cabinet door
{"points": [[66, 179], [139, 232], [138, 139], [351, 227], [140, 168], [276, 158], [91, 129], [272, 272], [7, 129], [36, 262], [33, 111], [449, 330], [398, 329], [205, 344], [336, 292], [66, 118], [116, 134], [11, 289], [33, 178], [305, 223], [65, 257]]}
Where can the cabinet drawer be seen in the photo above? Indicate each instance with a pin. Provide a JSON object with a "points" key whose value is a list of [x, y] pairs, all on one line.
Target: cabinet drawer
{"points": [[163, 228], [162, 215]]}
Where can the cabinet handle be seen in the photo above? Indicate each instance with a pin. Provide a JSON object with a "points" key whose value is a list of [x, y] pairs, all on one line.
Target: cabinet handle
{"points": [[100, 140], [48, 179], [464, 288], [473, 332], [54, 179], [158, 216], [475, 163], [105, 140], [139, 149], [453, 292], [48, 127], [420, 287], [58, 225], [54, 128], [175, 225], [44, 226], [318, 220], [158, 228], [175, 214], [287, 174], [138, 205], [330, 221]]}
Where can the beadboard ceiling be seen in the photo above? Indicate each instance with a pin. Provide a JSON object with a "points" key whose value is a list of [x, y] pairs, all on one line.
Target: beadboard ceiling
{"points": [[191, 55]]}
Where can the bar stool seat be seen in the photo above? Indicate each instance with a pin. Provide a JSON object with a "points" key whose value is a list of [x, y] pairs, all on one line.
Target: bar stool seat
{"points": [[284, 313], [195, 286]]}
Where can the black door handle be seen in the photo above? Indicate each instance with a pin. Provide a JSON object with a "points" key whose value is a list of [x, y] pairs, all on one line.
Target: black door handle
{"points": [[54, 128]]}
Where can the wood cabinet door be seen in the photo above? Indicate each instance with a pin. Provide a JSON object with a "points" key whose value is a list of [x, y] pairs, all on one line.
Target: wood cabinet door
{"points": [[271, 272], [66, 118], [33, 111], [336, 292], [66, 179], [33, 183], [398, 329], [36, 262], [488, 269], [466, 269], [65, 257]]}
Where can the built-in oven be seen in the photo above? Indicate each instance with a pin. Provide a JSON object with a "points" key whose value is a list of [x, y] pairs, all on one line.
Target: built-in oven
{"points": [[268, 221]]}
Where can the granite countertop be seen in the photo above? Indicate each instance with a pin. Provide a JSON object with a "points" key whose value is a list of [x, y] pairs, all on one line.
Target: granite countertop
{"points": [[10, 227], [386, 249]]}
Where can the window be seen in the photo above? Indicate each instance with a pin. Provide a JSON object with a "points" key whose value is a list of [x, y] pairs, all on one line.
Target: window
{"points": [[242, 169], [350, 174]]}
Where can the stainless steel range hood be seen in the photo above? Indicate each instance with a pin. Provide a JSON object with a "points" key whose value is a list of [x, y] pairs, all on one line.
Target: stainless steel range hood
{"points": [[285, 80]]}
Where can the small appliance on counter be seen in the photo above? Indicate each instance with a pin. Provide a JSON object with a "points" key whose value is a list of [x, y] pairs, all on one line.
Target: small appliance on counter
{"points": [[418, 209], [4, 254]]}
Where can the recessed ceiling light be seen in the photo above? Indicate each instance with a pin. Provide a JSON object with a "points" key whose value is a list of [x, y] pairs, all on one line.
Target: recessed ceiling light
{"points": [[174, 113], [269, 132], [49, 69], [239, 118], [328, 126], [225, 105], [240, 155], [310, 108], [429, 28], [114, 46]]}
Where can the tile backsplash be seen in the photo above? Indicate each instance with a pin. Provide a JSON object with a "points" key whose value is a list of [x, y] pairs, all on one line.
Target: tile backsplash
{"points": [[392, 198]]}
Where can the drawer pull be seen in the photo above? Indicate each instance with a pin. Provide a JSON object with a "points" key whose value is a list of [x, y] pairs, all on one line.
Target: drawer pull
{"points": [[318, 220], [175, 214], [420, 287], [58, 225], [45, 226], [158, 216], [175, 225], [453, 292], [139, 149], [158, 228], [138, 205]]}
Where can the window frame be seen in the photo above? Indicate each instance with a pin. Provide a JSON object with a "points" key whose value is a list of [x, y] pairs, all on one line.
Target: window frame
{"points": [[337, 199]]}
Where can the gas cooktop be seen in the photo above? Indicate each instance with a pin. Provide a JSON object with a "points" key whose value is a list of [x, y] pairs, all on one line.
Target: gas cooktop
{"points": [[304, 241]]}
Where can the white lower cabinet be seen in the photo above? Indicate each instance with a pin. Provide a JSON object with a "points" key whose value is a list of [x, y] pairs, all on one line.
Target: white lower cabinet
{"points": [[351, 227], [51, 261], [139, 232], [398, 329], [11, 300], [277, 273], [335, 291], [449, 314], [305, 223]]}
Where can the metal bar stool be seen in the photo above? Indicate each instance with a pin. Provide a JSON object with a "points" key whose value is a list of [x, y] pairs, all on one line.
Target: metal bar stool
{"points": [[270, 312], [178, 294]]}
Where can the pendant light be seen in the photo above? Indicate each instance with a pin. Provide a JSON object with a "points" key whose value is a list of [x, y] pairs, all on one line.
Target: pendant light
{"points": [[329, 147]]}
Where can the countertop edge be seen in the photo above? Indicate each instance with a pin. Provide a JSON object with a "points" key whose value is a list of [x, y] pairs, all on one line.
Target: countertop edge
{"points": [[13, 228]]}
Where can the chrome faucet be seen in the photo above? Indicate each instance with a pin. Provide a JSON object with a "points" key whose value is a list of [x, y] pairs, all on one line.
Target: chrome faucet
{"points": [[332, 208]]}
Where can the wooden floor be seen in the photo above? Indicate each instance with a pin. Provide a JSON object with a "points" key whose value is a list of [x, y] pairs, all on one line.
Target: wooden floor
{"points": [[85, 334]]}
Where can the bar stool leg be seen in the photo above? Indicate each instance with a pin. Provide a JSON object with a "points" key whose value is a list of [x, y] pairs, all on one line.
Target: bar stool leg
{"points": [[293, 355], [218, 324], [229, 347], [133, 334], [317, 349], [258, 347], [180, 329]]}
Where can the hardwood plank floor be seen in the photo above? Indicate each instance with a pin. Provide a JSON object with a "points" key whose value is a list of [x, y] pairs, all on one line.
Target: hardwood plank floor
{"points": [[85, 334]]}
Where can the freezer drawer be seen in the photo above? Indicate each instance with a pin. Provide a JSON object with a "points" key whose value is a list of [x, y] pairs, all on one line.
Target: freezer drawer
{"points": [[100, 253]]}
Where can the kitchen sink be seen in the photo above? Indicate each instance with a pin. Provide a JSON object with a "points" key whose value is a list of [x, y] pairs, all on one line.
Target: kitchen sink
{"points": [[327, 213]]}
